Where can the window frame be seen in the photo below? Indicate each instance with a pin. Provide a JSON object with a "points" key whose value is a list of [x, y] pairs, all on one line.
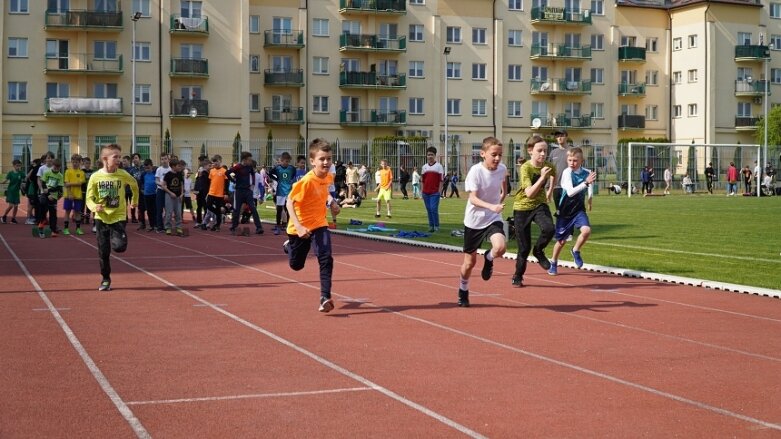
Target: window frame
{"points": [[143, 94], [515, 109], [453, 35], [479, 35], [416, 106], [22, 7], [417, 33], [20, 88], [11, 45], [598, 42], [677, 43], [321, 104], [414, 72], [519, 41], [318, 62], [515, 72], [254, 24], [479, 71], [317, 30]]}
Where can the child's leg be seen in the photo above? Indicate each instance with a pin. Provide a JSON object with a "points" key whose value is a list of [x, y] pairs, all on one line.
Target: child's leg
{"points": [[377, 211], [16, 209], [280, 209], [585, 233], [103, 233], [522, 221], [53, 215], [542, 217], [322, 241], [66, 221], [498, 245], [557, 248], [298, 249], [388, 206]]}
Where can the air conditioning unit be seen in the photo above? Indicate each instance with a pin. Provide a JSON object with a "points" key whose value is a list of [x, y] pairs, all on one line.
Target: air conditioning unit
{"points": [[758, 100]]}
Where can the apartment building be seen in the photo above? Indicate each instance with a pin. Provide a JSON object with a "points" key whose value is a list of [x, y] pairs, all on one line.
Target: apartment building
{"points": [[209, 71]]}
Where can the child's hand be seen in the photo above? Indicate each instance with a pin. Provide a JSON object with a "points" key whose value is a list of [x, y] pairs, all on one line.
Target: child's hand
{"points": [[498, 208], [302, 232], [544, 172], [588, 203], [99, 208], [592, 177], [335, 209]]}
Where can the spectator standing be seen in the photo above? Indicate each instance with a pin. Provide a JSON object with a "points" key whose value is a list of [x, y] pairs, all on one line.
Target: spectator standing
{"points": [[732, 179], [747, 177], [432, 175], [668, 180], [415, 183], [13, 191], [353, 178], [710, 175], [161, 195], [173, 186], [403, 181]]}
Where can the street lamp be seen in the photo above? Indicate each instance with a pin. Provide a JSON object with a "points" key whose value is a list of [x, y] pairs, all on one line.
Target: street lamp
{"points": [[447, 110], [135, 18]]}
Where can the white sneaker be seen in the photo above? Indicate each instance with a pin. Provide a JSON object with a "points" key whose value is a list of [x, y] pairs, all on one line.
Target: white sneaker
{"points": [[30, 221]]}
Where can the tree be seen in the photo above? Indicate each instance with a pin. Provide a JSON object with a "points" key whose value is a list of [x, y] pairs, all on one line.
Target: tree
{"points": [[236, 148], [773, 131], [167, 149], [270, 149]]}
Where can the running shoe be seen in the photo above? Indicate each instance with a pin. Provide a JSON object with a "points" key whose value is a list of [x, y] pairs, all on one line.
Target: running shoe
{"points": [[517, 281], [66, 232], [79, 232], [553, 270], [105, 285], [577, 258], [542, 260], [286, 247], [326, 304], [488, 267], [463, 298]]}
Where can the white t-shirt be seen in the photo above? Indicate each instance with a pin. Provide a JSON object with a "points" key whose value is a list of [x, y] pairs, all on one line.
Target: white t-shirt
{"points": [[42, 169], [487, 186], [415, 177], [160, 174]]}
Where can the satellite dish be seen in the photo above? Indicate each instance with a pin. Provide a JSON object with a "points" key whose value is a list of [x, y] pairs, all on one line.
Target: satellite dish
{"points": [[536, 123]]}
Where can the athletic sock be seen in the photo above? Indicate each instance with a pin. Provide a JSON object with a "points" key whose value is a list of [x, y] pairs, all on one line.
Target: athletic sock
{"points": [[464, 284], [489, 255]]}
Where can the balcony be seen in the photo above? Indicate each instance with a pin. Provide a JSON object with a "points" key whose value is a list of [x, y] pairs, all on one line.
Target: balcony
{"points": [[631, 122], [189, 67], [373, 7], [290, 78], [78, 107], [562, 120], [371, 80], [746, 123], [73, 19], [195, 26], [560, 87], [748, 87], [373, 117], [557, 15], [283, 38], [283, 116], [371, 43], [83, 63], [751, 53], [190, 108], [560, 52], [629, 89], [631, 54]]}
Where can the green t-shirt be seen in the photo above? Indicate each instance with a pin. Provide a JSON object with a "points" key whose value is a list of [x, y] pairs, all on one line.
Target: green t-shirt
{"points": [[528, 176], [54, 182], [108, 189]]}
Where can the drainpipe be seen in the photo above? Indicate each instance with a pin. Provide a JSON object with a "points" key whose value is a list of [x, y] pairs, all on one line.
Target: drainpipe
{"points": [[705, 73], [159, 72], [493, 63]]}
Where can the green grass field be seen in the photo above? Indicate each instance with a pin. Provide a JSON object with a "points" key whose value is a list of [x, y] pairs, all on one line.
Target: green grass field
{"points": [[714, 237]]}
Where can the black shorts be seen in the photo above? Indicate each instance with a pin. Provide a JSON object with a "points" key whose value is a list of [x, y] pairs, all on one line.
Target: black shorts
{"points": [[473, 238], [187, 202]]}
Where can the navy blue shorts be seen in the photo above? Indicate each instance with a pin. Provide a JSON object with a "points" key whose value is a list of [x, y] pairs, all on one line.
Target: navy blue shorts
{"points": [[566, 226]]}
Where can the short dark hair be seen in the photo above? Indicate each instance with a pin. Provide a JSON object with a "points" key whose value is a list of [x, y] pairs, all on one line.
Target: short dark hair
{"points": [[285, 156], [432, 150], [533, 140], [148, 162], [245, 155], [318, 145], [16, 162]]}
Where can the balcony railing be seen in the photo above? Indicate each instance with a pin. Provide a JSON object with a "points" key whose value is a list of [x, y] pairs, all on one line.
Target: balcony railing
{"points": [[560, 86], [391, 7], [189, 67], [283, 116], [562, 120], [746, 123], [81, 19], [84, 63], [560, 51], [631, 121], [188, 25], [372, 80], [629, 89], [749, 52], [371, 43], [744, 87], [75, 106], [631, 54], [193, 108], [558, 15], [373, 118], [283, 38], [292, 78]]}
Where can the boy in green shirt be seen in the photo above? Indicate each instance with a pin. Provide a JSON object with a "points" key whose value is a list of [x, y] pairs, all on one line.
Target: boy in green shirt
{"points": [[12, 197], [53, 183], [106, 197], [531, 205]]}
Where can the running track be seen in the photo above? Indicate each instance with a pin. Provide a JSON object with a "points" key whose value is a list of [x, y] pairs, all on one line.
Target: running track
{"points": [[214, 336]]}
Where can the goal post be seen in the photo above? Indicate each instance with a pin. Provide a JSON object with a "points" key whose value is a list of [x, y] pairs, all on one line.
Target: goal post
{"points": [[691, 159]]}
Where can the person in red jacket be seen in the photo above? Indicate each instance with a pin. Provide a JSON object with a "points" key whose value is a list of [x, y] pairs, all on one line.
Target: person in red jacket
{"points": [[432, 175], [732, 179]]}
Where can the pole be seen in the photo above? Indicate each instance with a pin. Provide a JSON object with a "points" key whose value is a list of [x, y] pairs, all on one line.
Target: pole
{"points": [[767, 121], [447, 112], [133, 93]]}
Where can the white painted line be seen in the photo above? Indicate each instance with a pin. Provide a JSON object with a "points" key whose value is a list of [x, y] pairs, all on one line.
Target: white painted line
{"points": [[48, 310], [131, 419], [685, 252], [250, 396], [200, 305]]}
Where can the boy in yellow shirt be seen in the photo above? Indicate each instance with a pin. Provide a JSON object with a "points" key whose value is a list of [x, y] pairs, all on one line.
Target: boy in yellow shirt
{"points": [[306, 205], [74, 196], [384, 187]]}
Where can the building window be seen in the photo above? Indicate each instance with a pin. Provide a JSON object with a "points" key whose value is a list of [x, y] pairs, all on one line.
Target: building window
{"points": [[254, 102], [18, 7], [320, 104], [57, 90], [17, 91], [143, 94], [320, 65], [478, 107], [677, 111], [320, 27], [597, 42], [514, 109], [775, 10], [677, 77], [597, 7], [105, 50], [453, 34], [254, 24], [142, 51], [515, 5], [416, 69], [254, 63], [598, 110], [478, 35], [744, 109], [652, 112], [598, 76], [692, 75], [417, 2], [514, 38], [775, 41], [102, 90], [744, 38], [692, 110], [478, 71], [142, 6], [416, 32], [514, 72], [775, 76], [652, 45], [652, 77], [692, 41], [454, 107], [677, 43], [454, 70], [416, 105], [17, 47]]}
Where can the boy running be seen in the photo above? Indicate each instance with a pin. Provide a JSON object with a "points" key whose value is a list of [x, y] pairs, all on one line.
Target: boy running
{"points": [[74, 196], [52, 182], [576, 187], [283, 174], [307, 204], [486, 185], [106, 197]]}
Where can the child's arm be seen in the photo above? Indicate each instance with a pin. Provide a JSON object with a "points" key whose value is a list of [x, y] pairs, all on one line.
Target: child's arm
{"points": [[477, 202], [532, 190], [301, 231], [504, 189]]}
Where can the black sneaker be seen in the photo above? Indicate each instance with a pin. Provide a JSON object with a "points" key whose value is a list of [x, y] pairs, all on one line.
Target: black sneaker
{"points": [[488, 267], [517, 281], [326, 304], [105, 285], [3, 220], [463, 298], [259, 231], [286, 247], [542, 260], [233, 231]]}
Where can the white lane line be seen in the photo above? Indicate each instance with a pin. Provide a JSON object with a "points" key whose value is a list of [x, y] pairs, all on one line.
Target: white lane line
{"points": [[104, 383], [250, 396], [685, 252], [540, 357], [48, 310], [365, 381]]}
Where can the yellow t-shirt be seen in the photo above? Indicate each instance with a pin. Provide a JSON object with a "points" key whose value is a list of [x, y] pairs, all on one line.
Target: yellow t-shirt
{"points": [[74, 176], [386, 177], [108, 189], [309, 196]]}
